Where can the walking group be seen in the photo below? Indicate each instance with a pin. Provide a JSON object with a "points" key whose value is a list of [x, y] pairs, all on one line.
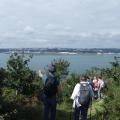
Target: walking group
{"points": [[82, 95]]}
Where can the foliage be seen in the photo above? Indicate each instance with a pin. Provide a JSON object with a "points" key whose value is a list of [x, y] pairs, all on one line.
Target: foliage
{"points": [[20, 77], [18, 83], [68, 86], [62, 68], [112, 104], [94, 71], [115, 71], [2, 76]]}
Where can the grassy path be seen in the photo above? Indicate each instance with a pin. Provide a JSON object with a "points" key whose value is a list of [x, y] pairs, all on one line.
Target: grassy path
{"points": [[65, 111]]}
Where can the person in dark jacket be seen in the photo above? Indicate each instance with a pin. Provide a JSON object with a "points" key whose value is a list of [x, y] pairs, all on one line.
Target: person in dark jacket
{"points": [[50, 94]]}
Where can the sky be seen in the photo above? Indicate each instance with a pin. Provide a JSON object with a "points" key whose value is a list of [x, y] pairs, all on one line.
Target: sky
{"points": [[60, 23]]}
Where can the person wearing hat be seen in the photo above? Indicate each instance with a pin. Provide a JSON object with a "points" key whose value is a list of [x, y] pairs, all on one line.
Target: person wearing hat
{"points": [[50, 93]]}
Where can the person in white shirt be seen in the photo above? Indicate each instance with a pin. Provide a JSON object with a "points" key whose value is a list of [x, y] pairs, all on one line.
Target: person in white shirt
{"points": [[76, 96]]}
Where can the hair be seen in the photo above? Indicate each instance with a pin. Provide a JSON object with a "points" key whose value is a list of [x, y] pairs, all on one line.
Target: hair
{"points": [[87, 77], [52, 68], [83, 78], [100, 77]]}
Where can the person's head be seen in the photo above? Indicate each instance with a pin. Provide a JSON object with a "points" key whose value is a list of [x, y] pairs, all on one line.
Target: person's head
{"points": [[51, 68], [95, 78], [87, 77], [82, 78]]}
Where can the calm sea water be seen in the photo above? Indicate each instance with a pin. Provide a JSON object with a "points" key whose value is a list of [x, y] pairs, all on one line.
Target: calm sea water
{"points": [[78, 63]]}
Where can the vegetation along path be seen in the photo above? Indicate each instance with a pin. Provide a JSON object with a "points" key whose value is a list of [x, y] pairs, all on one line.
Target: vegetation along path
{"points": [[20, 91]]}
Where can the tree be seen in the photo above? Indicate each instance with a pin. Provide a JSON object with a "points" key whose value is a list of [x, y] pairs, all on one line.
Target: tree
{"points": [[68, 86], [20, 77], [17, 77], [113, 73], [112, 104], [62, 68], [3, 75]]}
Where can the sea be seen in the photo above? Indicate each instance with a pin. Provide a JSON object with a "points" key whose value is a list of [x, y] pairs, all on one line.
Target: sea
{"points": [[79, 63]]}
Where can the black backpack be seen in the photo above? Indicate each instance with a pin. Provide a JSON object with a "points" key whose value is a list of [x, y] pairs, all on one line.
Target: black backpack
{"points": [[50, 88], [84, 98]]}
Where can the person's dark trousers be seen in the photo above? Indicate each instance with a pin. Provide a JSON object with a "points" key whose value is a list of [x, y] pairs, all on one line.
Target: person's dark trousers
{"points": [[50, 108], [100, 92], [83, 110]]}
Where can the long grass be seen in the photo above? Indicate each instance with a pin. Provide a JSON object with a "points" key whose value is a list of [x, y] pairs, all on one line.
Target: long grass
{"points": [[64, 111]]}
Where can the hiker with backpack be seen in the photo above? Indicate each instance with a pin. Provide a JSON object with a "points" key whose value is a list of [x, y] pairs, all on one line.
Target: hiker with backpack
{"points": [[50, 94], [82, 97]]}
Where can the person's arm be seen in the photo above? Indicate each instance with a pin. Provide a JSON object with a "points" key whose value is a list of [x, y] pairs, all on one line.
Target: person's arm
{"points": [[75, 91], [40, 75]]}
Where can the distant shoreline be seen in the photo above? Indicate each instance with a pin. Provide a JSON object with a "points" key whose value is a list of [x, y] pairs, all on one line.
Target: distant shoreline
{"points": [[61, 51], [53, 53]]}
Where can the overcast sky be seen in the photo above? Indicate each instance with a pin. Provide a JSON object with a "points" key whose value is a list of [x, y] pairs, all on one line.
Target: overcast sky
{"points": [[60, 23]]}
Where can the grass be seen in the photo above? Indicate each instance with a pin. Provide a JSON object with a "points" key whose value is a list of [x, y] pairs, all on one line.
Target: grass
{"points": [[64, 111], [96, 109]]}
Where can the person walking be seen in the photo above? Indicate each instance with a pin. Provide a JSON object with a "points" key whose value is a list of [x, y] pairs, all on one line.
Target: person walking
{"points": [[89, 80], [100, 91], [50, 94], [96, 86], [82, 96]]}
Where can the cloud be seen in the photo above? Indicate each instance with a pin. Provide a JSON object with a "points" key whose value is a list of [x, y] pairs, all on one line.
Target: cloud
{"points": [[64, 23], [51, 26], [28, 29], [67, 39]]}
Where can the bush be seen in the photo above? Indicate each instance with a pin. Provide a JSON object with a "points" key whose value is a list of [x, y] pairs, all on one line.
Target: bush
{"points": [[62, 68], [68, 86], [18, 83], [112, 101], [20, 77]]}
